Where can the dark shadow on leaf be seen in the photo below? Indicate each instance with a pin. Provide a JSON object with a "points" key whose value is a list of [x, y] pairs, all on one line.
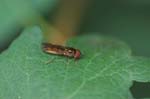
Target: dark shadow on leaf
{"points": [[16, 32], [140, 90]]}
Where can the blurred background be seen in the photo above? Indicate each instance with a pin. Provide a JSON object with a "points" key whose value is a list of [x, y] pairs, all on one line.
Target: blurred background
{"points": [[127, 20]]}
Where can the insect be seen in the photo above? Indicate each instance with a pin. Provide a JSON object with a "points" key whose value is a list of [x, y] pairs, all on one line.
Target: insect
{"points": [[61, 50]]}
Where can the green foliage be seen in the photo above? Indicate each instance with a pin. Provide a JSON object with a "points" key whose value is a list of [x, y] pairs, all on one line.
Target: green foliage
{"points": [[105, 71], [15, 14]]}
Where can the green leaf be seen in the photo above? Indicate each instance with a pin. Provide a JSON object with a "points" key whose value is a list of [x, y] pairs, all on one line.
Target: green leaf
{"points": [[105, 71]]}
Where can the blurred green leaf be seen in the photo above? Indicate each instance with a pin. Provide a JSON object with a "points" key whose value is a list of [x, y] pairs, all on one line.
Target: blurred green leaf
{"points": [[128, 21], [20, 13], [105, 71]]}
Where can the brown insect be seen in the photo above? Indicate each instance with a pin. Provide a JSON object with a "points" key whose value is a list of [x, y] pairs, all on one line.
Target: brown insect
{"points": [[61, 50]]}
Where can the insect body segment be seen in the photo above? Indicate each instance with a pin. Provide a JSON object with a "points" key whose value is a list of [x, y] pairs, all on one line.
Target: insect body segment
{"points": [[61, 50]]}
